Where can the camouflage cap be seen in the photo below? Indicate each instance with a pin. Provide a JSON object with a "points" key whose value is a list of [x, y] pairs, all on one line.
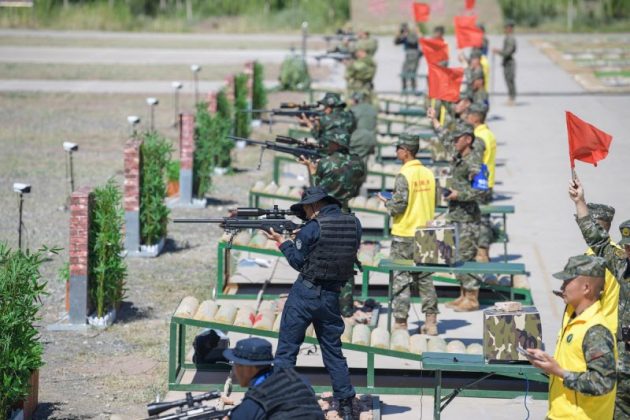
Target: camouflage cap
{"points": [[625, 233], [409, 141], [332, 99], [467, 94], [582, 265], [341, 137], [601, 211], [478, 108], [475, 53], [463, 128], [476, 75]]}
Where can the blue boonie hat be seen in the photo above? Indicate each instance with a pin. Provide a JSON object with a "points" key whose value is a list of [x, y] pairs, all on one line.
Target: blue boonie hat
{"points": [[310, 196], [250, 352]]}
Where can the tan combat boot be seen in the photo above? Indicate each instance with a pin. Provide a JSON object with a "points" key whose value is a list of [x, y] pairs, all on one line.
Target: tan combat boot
{"points": [[482, 255], [454, 303], [430, 325], [470, 302], [400, 324]]}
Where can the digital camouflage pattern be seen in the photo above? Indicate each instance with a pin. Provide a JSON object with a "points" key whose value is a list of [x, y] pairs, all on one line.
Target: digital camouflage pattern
{"points": [[442, 182], [338, 119], [599, 354], [467, 250], [341, 175], [403, 248], [503, 332], [359, 76], [439, 151], [601, 211], [617, 263], [582, 265], [466, 207], [436, 245], [294, 74]]}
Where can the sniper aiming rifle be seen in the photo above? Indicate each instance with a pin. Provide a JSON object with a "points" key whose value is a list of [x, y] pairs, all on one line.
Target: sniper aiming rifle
{"points": [[308, 152]]}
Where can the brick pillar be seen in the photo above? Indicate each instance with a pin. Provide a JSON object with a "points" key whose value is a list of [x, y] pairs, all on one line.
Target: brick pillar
{"points": [[131, 199], [186, 150], [229, 90], [80, 209], [249, 71], [211, 99]]}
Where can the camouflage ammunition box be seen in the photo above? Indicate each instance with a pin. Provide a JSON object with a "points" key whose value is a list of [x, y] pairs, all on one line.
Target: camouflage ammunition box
{"points": [[442, 182], [436, 245], [503, 332]]}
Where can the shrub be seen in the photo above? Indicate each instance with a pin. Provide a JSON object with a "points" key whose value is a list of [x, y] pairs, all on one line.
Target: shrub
{"points": [[172, 170], [224, 108], [107, 268], [212, 147], [21, 286], [242, 127], [259, 95], [155, 155]]}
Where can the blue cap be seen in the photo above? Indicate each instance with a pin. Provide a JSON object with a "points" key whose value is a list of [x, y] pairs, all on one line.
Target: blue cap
{"points": [[250, 352]]}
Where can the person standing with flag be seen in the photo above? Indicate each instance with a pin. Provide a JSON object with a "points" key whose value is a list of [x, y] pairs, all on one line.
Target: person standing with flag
{"points": [[509, 64]]}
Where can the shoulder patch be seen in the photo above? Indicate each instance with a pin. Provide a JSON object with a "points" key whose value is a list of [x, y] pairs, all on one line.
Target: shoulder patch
{"points": [[298, 244]]}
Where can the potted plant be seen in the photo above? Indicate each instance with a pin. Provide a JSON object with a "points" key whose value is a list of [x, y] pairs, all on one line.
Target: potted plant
{"points": [[172, 177], [107, 267], [155, 155], [21, 287]]}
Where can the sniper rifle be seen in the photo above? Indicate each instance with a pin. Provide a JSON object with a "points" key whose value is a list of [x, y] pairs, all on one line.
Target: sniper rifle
{"points": [[307, 152], [187, 408]]}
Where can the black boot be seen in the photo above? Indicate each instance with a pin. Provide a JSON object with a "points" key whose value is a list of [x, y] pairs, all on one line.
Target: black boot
{"points": [[345, 408]]}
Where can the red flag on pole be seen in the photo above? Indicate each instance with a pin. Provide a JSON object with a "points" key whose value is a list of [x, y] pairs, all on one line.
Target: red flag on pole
{"points": [[586, 142], [421, 12], [467, 32], [434, 50], [470, 4], [444, 82]]}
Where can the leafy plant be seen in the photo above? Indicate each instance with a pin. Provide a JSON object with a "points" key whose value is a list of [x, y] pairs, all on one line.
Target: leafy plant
{"points": [[259, 94], [63, 274], [212, 147], [21, 287], [107, 268], [242, 127], [155, 155], [172, 170], [224, 108]]}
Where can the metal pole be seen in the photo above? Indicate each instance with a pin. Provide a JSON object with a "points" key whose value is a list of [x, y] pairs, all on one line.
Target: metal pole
{"points": [[152, 117], [304, 36], [176, 107], [20, 223], [71, 173], [196, 88]]}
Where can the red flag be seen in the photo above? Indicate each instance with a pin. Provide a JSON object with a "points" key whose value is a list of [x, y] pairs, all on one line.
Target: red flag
{"points": [[434, 50], [470, 4], [444, 82], [586, 142], [467, 32], [421, 12]]}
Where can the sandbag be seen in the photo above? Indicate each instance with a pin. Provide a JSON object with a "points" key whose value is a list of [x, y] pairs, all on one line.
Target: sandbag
{"points": [[417, 344], [361, 335], [187, 307], [400, 340], [206, 310], [380, 338], [226, 314]]}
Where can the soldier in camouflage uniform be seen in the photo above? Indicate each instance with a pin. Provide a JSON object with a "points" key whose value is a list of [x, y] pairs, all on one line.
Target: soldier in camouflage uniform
{"points": [[480, 95], [617, 262], [336, 116], [412, 205], [341, 174], [366, 42], [363, 139], [360, 74], [582, 371], [509, 65], [408, 38], [463, 211]]}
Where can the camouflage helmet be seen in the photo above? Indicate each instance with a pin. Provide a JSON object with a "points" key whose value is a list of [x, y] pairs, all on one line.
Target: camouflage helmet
{"points": [[625, 233], [341, 137], [601, 212], [461, 129], [582, 265], [332, 99], [478, 108], [409, 141]]}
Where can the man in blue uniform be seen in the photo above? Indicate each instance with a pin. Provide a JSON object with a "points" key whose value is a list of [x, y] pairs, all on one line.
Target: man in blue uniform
{"points": [[324, 252], [273, 393]]}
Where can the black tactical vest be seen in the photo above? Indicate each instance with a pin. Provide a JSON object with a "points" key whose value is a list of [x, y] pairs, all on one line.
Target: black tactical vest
{"points": [[332, 260], [284, 395]]}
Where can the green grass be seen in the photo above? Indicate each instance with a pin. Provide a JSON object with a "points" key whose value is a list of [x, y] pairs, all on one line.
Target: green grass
{"points": [[620, 73], [119, 72]]}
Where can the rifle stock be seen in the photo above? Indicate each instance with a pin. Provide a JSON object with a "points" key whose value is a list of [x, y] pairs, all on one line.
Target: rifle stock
{"points": [[307, 152]]}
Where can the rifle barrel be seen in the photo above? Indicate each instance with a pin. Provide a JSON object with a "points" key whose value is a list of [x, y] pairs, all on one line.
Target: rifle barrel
{"points": [[218, 220]]}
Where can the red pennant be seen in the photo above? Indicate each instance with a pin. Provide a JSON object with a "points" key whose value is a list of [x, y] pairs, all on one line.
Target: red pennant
{"points": [[586, 142], [421, 12], [444, 82], [434, 50], [470, 4], [467, 32]]}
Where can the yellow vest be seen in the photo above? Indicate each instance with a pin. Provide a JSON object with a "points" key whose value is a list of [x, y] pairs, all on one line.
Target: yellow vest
{"points": [[485, 67], [420, 202], [565, 403], [609, 300], [489, 156]]}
